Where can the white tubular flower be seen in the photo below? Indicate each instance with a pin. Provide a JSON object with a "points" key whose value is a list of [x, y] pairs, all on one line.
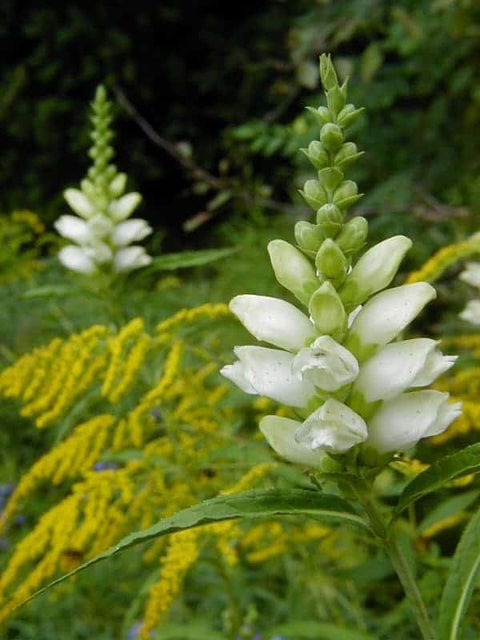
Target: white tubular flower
{"points": [[399, 366], [73, 228], [292, 269], [130, 258], [401, 422], [130, 231], [273, 320], [471, 313], [375, 269], [326, 364], [385, 315], [333, 427], [76, 259], [471, 275], [79, 203], [268, 372], [122, 208], [100, 226], [280, 434]]}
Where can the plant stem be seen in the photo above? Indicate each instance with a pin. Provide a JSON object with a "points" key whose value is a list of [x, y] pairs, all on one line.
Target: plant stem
{"points": [[363, 492], [410, 587]]}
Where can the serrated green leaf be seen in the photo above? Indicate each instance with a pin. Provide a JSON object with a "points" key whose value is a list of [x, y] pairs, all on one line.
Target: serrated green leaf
{"points": [[453, 466], [172, 261], [461, 581], [301, 629], [250, 504]]}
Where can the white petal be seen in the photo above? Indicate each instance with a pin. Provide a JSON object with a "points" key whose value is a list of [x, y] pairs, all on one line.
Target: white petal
{"points": [[471, 313], [130, 258], [130, 231], [120, 209], [79, 202], [100, 226], [269, 372], [73, 228], [273, 320], [293, 270], [326, 364], [400, 365], [375, 269], [471, 274], [235, 373], [280, 434], [76, 259], [385, 315], [334, 427], [401, 422]]}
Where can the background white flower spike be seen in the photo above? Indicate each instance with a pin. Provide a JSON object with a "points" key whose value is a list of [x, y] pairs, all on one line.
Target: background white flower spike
{"points": [[102, 233]]}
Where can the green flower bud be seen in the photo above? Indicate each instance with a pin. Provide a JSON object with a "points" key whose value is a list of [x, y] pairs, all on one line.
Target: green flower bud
{"points": [[293, 270], [335, 99], [330, 261], [327, 311], [330, 219], [327, 72], [322, 115], [317, 155], [331, 136], [353, 235], [314, 193], [309, 236], [330, 178], [347, 154], [348, 115], [346, 194]]}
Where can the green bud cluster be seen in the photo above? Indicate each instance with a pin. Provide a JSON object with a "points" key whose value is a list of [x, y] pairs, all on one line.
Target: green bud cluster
{"points": [[332, 241], [103, 183]]}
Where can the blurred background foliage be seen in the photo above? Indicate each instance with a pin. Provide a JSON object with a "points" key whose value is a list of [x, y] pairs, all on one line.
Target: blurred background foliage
{"points": [[209, 96]]}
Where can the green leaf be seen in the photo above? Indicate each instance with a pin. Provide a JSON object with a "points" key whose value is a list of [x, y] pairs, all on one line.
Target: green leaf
{"points": [[48, 291], [301, 629], [250, 504], [461, 580], [172, 261], [453, 466], [447, 508], [188, 632]]}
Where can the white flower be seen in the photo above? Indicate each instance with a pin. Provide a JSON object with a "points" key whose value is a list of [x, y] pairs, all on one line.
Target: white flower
{"points": [[333, 427], [471, 274], [130, 231], [402, 421], [120, 209], [268, 372], [280, 434], [79, 202], [471, 313], [399, 366], [73, 228], [100, 226], [292, 269], [375, 269], [76, 259], [326, 364], [273, 320], [385, 315], [130, 258]]}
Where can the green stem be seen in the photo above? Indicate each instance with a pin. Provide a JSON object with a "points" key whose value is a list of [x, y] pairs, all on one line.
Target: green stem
{"points": [[363, 493], [410, 587]]}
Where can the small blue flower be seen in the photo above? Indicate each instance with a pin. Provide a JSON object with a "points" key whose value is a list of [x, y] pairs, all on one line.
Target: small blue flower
{"points": [[20, 520], [134, 631], [105, 466]]}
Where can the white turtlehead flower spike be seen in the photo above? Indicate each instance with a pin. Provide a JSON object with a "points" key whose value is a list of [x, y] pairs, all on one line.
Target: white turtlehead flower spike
{"points": [[102, 234], [359, 394]]}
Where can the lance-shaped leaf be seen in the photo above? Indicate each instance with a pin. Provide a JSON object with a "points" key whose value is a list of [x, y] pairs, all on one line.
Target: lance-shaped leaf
{"points": [[461, 581], [453, 466], [249, 504]]}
